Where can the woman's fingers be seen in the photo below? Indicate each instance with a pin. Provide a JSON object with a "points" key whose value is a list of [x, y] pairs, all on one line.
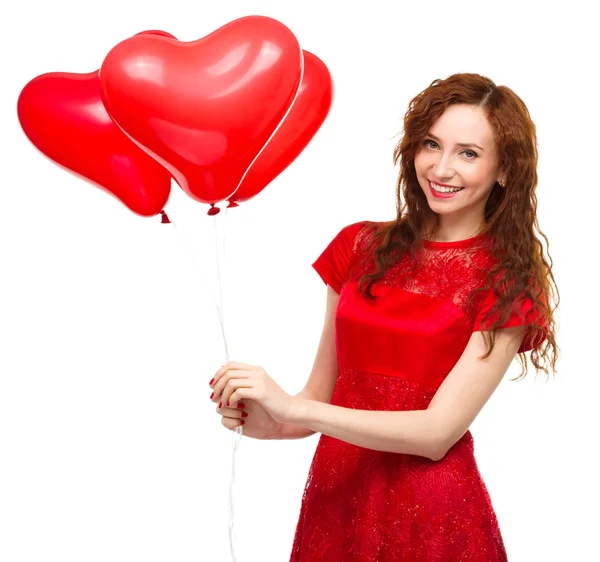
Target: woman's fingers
{"points": [[231, 423], [221, 382], [229, 412], [231, 417]]}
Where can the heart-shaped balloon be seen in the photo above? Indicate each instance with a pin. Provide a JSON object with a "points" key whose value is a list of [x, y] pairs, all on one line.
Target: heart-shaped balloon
{"points": [[62, 114], [204, 109], [310, 108]]}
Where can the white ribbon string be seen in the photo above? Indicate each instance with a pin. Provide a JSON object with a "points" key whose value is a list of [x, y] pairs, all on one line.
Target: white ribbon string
{"points": [[238, 432]]}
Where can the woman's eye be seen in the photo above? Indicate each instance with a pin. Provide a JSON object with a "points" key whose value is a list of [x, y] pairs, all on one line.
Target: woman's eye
{"points": [[474, 154]]}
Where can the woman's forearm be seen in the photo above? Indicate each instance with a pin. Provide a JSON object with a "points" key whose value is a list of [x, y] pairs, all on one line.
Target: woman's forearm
{"points": [[412, 432]]}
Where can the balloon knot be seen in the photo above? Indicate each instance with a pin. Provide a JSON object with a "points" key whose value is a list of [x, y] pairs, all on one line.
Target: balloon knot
{"points": [[213, 210], [232, 204], [165, 218]]}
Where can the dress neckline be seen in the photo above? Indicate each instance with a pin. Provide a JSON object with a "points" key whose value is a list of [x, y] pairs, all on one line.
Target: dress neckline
{"points": [[466, 243]]}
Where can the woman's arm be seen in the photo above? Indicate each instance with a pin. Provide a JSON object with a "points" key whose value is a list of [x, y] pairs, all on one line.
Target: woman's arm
{"points": [[432, 432], [320, 384]]}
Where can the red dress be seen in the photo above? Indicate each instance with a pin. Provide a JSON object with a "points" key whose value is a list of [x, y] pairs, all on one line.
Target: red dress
{"points": [[361, 505]]}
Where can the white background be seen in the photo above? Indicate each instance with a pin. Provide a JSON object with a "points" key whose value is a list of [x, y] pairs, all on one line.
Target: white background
{"points": [[109, 446]]}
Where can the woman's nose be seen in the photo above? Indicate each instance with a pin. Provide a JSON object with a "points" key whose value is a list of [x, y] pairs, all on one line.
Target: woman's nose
{"points": [[442, 170]]}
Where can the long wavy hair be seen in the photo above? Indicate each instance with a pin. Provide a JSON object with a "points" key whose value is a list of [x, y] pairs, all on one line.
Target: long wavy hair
{"points": [[510, 213]]}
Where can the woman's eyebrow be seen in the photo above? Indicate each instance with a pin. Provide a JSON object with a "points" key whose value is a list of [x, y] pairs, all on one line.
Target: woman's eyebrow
{"points": [[458, 143]]}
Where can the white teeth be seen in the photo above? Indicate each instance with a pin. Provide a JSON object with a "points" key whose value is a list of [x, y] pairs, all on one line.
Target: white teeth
{"points": [[444, 189]]}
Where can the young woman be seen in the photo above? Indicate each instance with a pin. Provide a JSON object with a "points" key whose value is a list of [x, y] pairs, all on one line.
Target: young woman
{"points": [[424, 316]]}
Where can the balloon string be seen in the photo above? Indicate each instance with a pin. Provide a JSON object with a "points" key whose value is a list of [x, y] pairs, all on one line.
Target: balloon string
{"points": [[236, 437], [238, 432], [200, 268], [220, 252]]}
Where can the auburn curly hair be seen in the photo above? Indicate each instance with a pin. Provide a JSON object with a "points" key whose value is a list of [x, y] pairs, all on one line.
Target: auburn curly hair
{"points": [[510, 213]]}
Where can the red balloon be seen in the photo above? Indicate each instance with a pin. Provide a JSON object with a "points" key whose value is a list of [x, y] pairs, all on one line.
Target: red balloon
{"points": [[306, 116], [63, 116], [204, 109]]}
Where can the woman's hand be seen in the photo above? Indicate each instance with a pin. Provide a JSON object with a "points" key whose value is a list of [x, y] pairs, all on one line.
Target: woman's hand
{"points": [[236, 381], [257, 423]]}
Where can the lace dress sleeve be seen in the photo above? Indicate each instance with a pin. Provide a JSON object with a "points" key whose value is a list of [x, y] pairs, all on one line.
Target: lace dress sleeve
{"points": [[334, 262], [522, 313]]}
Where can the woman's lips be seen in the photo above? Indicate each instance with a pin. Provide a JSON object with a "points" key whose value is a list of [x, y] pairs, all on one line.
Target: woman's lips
{"points": [[438, 195]]}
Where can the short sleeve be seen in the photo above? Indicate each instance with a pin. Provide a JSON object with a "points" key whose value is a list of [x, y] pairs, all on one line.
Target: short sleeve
{"points": [[334, 262], [523, 313]]}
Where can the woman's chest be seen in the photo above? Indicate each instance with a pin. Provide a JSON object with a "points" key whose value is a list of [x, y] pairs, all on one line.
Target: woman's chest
{"points": [[400, 333]]}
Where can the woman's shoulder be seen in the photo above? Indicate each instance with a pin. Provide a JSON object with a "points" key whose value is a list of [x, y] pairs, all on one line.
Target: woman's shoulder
{"points": [[360, 229]]}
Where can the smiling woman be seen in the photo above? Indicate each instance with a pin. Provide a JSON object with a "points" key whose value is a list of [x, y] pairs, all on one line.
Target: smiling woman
{"points": [[425, 314], [433, 308]]}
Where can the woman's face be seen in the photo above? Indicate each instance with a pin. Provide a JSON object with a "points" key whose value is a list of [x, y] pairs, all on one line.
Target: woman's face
{"points": [[474, 169]]}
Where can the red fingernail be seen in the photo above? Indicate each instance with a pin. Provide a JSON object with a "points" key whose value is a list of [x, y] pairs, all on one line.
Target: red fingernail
{"points": [[211, 381], [228, 404], [219, 404], [243, 422], [244, 414], [211, 396], [241, 406]]}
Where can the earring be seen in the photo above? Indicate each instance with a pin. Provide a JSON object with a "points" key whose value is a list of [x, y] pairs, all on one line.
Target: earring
{"points": [[502, 183]]}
